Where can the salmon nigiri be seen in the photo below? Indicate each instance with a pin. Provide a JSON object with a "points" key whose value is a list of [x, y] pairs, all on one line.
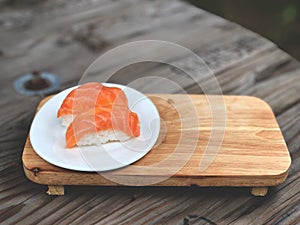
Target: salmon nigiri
{"points": [[88, 96], [101, 125]]}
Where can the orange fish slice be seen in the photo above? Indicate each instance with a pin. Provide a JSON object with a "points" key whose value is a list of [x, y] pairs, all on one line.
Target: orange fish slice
{"points": [[104, 122], [90, 95]]}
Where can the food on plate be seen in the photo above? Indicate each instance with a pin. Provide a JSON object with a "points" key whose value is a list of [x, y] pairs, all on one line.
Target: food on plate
{"points": [[87, 96], [101, 125], [95, 114]]}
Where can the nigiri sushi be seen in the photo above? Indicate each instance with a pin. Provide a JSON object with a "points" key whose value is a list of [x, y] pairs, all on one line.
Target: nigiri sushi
{"points": [[101, 125], [87, 96]]}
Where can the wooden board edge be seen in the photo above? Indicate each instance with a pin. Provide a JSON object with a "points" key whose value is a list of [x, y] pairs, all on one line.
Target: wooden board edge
{"points": [[94, 179]]}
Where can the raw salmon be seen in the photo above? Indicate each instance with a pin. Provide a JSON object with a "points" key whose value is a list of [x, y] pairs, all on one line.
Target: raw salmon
{"points": [[101, 125], [90, 95]]}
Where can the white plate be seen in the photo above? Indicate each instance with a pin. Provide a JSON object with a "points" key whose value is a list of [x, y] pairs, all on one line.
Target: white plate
{"points": [[47, 137]]}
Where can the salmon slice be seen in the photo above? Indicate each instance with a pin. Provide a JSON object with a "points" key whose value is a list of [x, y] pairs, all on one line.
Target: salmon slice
{"points": [[91, 95], [117, 119]]}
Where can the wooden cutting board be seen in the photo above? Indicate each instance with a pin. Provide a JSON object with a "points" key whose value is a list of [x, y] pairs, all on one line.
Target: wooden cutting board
{"points": [[253, 152]]}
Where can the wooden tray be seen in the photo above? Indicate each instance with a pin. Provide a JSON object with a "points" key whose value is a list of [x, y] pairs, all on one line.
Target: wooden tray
{"points": [[253, 152]]}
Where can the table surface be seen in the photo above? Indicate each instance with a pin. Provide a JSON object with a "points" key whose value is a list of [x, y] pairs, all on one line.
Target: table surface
{"points": [[65, 37]]}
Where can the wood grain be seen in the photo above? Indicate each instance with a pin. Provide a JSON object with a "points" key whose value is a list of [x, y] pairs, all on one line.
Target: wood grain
{"points": [[252, 153], [55, 190], [53, 36], [259, 191]]}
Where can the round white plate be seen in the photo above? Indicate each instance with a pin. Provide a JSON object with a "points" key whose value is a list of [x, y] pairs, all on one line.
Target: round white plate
{"points": [[47, 137]]}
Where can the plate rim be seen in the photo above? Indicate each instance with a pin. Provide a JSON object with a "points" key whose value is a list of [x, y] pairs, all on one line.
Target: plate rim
{"points": [[90, 168]]}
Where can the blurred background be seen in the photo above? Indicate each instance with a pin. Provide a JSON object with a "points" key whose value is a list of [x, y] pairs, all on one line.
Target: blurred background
{"points": [[276, 20]]}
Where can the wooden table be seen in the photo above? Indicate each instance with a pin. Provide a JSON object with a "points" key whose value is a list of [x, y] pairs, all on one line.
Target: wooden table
{"points": [[65, 37]]}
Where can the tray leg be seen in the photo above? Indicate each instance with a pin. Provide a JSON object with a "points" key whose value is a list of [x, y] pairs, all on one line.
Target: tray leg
{"points": [[56, 190], [259, 191]]}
